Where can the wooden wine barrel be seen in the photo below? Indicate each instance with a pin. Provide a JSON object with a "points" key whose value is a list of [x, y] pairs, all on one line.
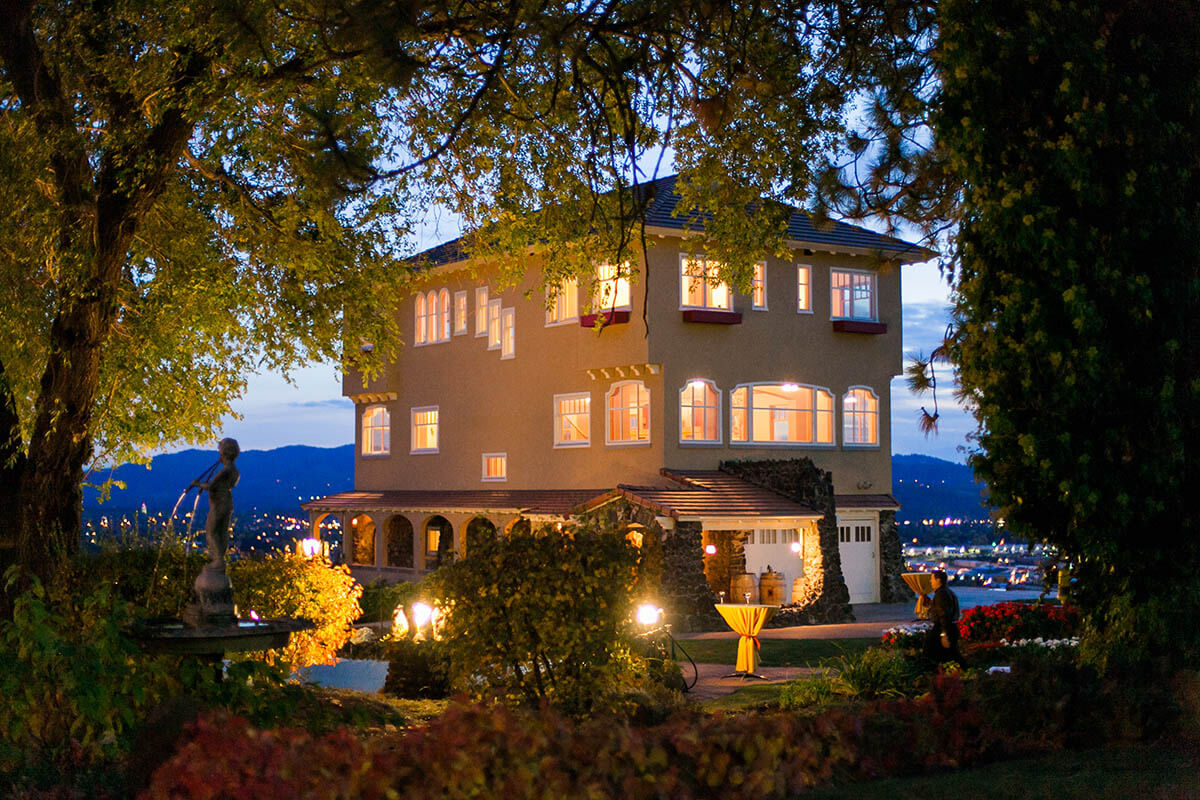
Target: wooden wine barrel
{"points": [[739, 584], [770, 588], [799, 587]]}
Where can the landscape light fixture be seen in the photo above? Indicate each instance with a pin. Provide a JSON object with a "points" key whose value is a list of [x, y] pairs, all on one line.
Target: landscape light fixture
{"points": [[648, 614], [310, 548], [710, 549], [796, 548]]}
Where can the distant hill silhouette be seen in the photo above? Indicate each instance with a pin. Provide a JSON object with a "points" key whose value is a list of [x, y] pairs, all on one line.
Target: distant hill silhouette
{"points": [[281, 479]]}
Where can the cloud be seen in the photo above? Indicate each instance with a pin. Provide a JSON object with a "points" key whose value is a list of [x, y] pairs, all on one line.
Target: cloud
{"points": [[332, 402]]}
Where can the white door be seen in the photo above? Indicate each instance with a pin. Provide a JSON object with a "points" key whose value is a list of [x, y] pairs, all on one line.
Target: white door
{"points": [[858, 543]]}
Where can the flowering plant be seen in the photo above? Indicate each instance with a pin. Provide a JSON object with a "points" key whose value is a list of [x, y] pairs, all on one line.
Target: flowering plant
{"points": [[905, 636], [1014, 621]]}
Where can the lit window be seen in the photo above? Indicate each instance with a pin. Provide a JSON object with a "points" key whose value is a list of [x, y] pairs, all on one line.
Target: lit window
{"points": [[493, 324], [481, 310], [431, 317], [860, 417], [444, 315], [495, 466], [628, 413], [700, 413], [563, 302], [758, 287], [376, 431], [508, 333], [572, 420], [698, 284], [460, 313], [419, 325], [803, 288], [425, 429], [852, 294], [781, 413], [612, 288]]}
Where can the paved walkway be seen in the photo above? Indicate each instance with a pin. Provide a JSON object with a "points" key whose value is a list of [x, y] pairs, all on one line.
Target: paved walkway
{"points": [[870, 620]]}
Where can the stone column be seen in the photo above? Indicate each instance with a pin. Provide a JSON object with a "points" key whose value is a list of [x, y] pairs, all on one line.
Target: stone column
{"points": [[892, 588], [687, 597]]}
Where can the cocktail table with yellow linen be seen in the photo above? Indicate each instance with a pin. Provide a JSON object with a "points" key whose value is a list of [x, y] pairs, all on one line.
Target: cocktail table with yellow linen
{"points": [[922, 584], [747, 621]]}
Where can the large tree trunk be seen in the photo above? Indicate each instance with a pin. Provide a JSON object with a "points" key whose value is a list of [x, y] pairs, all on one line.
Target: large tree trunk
{"points": [[12, 466]]}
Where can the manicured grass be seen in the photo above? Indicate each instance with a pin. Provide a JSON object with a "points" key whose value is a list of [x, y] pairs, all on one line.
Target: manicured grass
{"points": [[748, 698], [776, 652], [1143, 772]]}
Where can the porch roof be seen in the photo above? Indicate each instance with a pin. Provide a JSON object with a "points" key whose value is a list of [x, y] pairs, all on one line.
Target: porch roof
{"points": [[865, 502]]}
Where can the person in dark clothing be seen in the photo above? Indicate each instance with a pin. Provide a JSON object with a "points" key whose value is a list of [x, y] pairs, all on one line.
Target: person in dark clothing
{"points": [[941, 642]]}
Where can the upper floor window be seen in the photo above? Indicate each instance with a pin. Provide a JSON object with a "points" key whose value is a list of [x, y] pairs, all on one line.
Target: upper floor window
{"points": [[803, 289], [758, 287], [460, 313], [700, 413], [628, 413], [563, 302], [698, 284], [852, 294], [424, 429], [508, 333], [431, 317], [376, 431], [493, 324], [612, 288], [572, 420], [860, 417], [444, 315], [420, 325], [781, 413], [495, 466], [481, 310]]}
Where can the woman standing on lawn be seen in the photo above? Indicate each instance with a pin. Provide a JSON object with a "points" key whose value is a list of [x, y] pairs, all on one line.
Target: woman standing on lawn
{"points": [[941, 643]]}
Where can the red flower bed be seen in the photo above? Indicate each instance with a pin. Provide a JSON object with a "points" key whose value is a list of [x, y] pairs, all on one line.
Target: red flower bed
{"points": [[1013, 621]]}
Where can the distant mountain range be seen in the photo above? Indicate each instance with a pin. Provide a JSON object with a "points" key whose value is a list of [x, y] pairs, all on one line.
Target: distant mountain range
{"points": [[279, 480]]}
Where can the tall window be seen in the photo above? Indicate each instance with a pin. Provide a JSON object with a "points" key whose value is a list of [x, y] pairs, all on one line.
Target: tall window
{"points": [[460, 313], [572, 420], [698, 284], [628, 413], [860, 417], [758, 287], [419, 325], [481, 310], [853, 294], [424, 430], [508, 333], [803, 289], [563, 302], [495, 466], [612, 289], [700, 413], [781, 413], [431, 317], [444, 315], [376, 431], [493, 324]]}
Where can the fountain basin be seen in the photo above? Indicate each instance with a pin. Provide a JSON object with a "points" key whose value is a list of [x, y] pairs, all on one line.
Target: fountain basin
{"points": [[174, 636]]}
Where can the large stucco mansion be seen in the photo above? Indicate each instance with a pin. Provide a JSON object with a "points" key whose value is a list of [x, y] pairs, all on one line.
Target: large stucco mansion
{"points": [[508, 405]]}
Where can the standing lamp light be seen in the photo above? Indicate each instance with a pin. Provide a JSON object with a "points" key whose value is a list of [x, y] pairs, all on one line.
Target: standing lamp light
{"points": [[710, 549], [310, 548]]}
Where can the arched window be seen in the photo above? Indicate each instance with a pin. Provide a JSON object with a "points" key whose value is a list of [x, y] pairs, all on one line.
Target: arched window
{"points": [[628, 413], [431, 317], [860, 417], [700, 413], [362, 534], [399, 542], [781, 413], [376, 431], [439, 542], [444, 315], [420, 326]]}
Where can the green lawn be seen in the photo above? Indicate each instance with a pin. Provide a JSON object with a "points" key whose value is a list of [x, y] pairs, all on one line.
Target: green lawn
{"points": [[775, 652], [1119, 772]]}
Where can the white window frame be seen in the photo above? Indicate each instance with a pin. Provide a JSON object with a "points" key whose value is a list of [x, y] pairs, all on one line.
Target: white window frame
{"points": [[420, 308], [718, 410], [493, 324], [437, 430], [368, 414], [707, 288], [445, 310], [494, 479], [431, 317], [508, 333], [599, 299], [567, 288], [769, 443], [460, 313], [759, 282], [481, 306], [608, 440], [559, 444], [849, 443], [804, 299], [854, 273]]}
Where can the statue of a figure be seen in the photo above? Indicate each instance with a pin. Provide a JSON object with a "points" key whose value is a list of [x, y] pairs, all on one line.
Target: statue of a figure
{"points": [[220, 503]]}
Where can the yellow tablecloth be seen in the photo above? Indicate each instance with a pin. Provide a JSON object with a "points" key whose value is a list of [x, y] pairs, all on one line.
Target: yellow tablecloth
{"points": [[922, 584], [747, 621]]}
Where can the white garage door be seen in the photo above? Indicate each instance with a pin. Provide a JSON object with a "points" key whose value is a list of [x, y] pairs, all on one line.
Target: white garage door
{"points": [[857, 543]]}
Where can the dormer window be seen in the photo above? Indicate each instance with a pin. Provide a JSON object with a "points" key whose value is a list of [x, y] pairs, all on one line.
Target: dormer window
{"points": [[699, 286], [852, 294]]}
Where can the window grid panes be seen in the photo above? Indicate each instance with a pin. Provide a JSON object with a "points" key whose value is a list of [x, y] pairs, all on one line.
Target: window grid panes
{"points": [[481, 310], [700, 413], [460, 313], [699, 287], [425, 429], [852, 294], [419, 326], [444, 315], [495, 466], [781, 413], [860, 417], [629, 413], [803, 288], [431, 317], [493, 324], [376, 431], [572, 420], [612, 291], [758, 287], [508, 333], [563, 303]]}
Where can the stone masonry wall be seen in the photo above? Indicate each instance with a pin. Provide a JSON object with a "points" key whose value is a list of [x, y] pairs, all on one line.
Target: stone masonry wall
{"points": [[892, 588]]}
